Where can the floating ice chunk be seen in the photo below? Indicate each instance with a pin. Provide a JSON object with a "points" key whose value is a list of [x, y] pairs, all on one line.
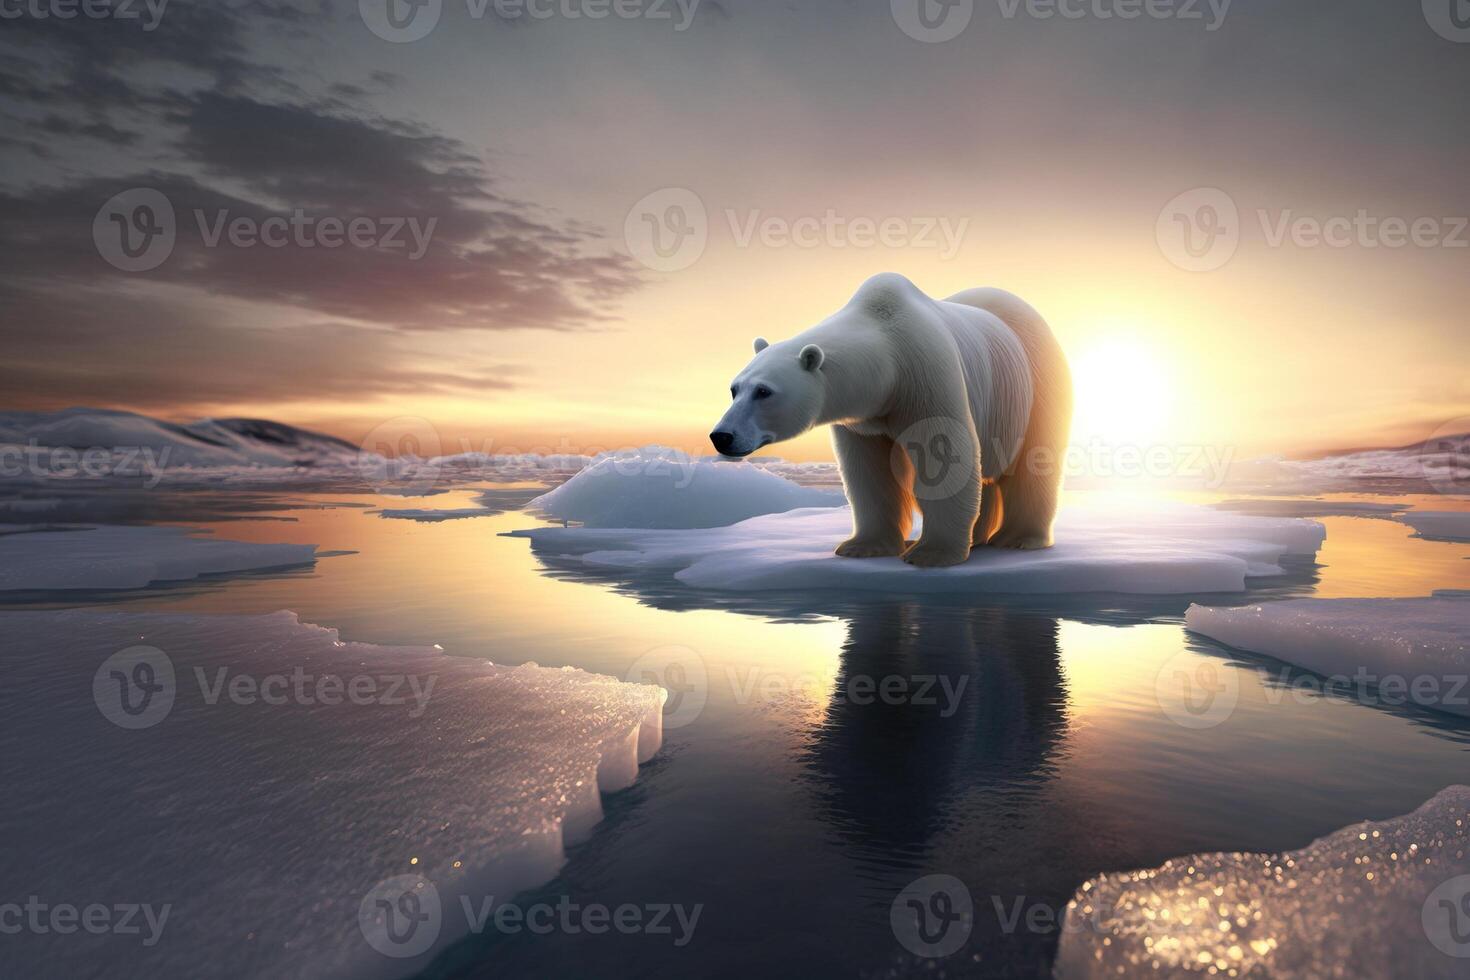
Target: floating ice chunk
{"points": [[128, 557], [1420, 646], [1102, 546], [1308, 507], [433, 516], [659, 488], [1382, 899], [276, 777], [1439, 525]]}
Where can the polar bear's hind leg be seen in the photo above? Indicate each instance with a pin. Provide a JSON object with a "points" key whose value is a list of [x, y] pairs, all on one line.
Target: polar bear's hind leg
{"points": [[1029, 490]]}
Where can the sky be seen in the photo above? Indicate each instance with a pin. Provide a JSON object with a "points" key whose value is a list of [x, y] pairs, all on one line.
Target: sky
{"points": [[1244, 220]]}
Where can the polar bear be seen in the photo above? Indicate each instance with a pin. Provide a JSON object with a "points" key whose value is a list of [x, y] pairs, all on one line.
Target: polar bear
{"points": [[959, 406]]}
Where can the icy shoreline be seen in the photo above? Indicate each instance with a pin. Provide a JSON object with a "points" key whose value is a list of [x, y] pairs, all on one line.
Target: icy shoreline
{"points": [[297, 776]]}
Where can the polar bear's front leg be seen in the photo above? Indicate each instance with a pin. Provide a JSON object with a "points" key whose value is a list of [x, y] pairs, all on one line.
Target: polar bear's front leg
{"points": [[882, 504], [945, 456]]}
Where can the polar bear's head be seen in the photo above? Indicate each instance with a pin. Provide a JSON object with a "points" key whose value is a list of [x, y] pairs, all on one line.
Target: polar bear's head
{"points": [[778, 396]]}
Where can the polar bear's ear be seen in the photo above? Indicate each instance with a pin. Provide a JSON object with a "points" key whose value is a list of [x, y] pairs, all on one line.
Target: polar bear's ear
{"points": [[761, 344], [811, 357]]}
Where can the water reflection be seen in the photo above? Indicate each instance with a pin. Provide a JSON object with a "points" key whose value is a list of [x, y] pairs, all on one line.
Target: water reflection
{"points": [[930, 704]]}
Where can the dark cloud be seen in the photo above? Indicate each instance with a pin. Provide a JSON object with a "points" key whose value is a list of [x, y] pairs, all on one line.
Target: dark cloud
{"points": [[158, 353], [230, 147]]}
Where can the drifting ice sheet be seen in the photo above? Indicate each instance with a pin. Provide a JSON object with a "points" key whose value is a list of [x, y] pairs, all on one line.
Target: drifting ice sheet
{"points": [[130, 557], [657, 488], [264, 821], [1439, 525], [1370, 900], [1102, 546], [1421, 646]]}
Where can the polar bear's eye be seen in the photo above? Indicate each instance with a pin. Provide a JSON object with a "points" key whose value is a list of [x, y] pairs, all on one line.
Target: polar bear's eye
{"points": [[761, 391], [734, 392]]}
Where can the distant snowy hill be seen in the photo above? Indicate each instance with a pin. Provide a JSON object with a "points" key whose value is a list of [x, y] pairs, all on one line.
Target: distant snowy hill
{"points": [[206, 443]]}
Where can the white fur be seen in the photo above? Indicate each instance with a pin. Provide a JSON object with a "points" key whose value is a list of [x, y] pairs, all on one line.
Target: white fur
{"points": [[901, 378]]}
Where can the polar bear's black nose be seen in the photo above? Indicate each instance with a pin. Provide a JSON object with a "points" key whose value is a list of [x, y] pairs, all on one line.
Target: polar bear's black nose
{"points": [[722, 440]]}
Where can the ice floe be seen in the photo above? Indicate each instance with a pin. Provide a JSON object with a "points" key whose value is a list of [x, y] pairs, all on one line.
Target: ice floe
{"points": [[1387, 899], [1439, 525], [1421, 647], [272, 784], [129, 557], [1103, 545], [658, 488]]}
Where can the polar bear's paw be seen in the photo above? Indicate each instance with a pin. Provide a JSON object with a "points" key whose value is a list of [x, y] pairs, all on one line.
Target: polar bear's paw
{"points": [[929, 554], [1021, 542], [870, 548]]}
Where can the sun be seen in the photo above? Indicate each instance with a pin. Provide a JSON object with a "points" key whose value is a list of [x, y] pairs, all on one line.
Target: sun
{"points": [[1124, 393]]}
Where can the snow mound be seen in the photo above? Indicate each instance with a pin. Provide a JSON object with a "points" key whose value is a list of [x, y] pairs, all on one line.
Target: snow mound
{"points": [[269, 820], [659, 488], [1420, 646], [128, 557], [1439, 525], [1382, 899], [1102, 546]]}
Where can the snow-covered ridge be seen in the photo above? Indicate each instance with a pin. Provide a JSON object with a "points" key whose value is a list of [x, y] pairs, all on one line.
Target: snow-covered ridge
{"points": [[1419, 646], [288, 803], [1384, 899]]}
